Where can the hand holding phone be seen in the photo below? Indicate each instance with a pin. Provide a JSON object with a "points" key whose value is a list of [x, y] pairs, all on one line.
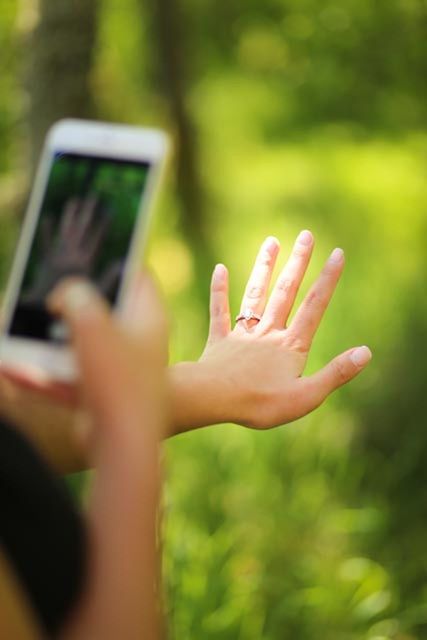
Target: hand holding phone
{"points": [[87, 217]]}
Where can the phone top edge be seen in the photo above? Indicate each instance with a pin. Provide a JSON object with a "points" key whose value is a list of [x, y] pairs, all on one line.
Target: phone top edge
{"points": [[99, 125], [103, 138]]}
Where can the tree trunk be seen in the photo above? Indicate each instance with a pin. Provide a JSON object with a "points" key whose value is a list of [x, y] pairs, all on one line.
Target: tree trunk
{"points": [[61, 53], [172, 69]]}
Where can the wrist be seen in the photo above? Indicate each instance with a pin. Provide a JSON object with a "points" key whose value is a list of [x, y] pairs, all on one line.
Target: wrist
{"points": [[199, 397]]}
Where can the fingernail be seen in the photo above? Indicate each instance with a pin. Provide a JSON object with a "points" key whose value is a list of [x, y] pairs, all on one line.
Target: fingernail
{"points": [[305, 237], [336, 256], [271, 242], [360, 356], [79, 295], [72, 297], [220, 271]]}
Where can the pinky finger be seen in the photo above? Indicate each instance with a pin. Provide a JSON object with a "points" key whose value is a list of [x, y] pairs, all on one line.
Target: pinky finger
{"points": [[220, 323], [335, 374]]}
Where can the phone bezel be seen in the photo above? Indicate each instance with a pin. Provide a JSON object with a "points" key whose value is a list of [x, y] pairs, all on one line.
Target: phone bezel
{"points": [[86, 138]]}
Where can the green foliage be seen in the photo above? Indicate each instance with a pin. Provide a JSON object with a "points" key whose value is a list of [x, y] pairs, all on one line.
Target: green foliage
{"points": [[308, 115], [358, 60], [301, 532]]}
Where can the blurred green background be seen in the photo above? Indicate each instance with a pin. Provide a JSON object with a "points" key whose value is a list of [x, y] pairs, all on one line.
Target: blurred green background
{"points": [[285, 115]]}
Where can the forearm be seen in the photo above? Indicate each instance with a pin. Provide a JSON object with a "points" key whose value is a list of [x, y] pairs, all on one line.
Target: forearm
{"points": [[199, 397]]}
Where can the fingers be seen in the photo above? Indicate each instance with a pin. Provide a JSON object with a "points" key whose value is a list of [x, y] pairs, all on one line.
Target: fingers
{"points": [[220, 323], [111, 364], [257, 287], [307, 319], [86, 216], [286, 288], [336, 373], [97, 347], [98, 233], [68, 217], [35, 380]]}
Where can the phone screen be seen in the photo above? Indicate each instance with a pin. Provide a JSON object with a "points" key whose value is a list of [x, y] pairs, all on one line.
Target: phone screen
{"points": [[85, 228]]}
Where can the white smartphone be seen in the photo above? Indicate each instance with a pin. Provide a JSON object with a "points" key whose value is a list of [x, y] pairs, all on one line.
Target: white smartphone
{"points": [[87, 216]]}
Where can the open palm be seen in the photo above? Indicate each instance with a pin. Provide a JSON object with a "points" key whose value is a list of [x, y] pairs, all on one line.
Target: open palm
{"points": [[262, 361]]}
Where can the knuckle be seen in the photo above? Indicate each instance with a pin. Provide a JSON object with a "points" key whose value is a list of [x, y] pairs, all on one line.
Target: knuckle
{"points": [[254, 292], [219, 287], [330, 269], [217, 310], [286, 285], [301, 251], [340, 371], [297, 343], [315, 299], [265, 258], [312, 299]]}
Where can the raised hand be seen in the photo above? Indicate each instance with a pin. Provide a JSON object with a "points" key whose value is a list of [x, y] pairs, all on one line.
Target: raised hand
{"points": [[252, 374]]}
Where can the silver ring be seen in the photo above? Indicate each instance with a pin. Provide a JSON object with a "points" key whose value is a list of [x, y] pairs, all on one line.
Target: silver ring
{"points": [[248, 314]]}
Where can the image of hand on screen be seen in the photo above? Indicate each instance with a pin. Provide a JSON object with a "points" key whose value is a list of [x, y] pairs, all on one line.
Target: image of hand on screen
{"points": [[72, 248]]}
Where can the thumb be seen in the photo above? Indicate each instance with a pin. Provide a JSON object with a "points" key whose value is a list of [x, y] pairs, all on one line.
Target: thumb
{"points": [[335, 374]]}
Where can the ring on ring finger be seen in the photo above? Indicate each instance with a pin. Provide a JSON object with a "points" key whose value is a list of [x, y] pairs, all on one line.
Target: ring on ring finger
{"points": [[248, 314]]}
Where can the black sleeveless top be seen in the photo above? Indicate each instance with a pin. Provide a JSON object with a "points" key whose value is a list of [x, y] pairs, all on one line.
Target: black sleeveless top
{"points": [[41, 530]]}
